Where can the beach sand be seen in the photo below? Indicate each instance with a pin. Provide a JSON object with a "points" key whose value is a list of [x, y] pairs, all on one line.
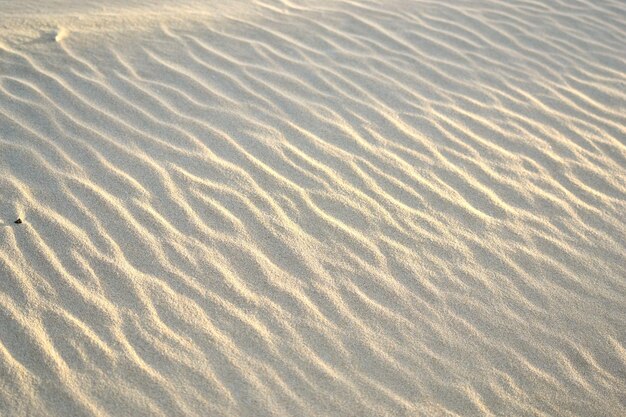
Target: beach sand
{"points": [[313, 208]]}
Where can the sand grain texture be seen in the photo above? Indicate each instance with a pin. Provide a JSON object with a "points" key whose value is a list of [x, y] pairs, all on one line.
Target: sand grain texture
{"points": [[313, 208]]}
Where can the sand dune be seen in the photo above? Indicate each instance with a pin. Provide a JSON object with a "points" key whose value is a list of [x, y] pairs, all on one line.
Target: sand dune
{"points": [[313, 208]]}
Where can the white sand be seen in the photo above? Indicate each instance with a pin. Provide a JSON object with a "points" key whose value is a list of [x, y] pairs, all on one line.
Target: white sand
{"points": [[313, 208]]}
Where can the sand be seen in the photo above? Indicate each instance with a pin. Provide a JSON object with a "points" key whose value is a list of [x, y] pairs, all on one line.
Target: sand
{"points": [[313, 208]]}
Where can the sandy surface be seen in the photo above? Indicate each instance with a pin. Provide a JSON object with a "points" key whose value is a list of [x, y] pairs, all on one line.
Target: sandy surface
{"points": [[313, 208]]}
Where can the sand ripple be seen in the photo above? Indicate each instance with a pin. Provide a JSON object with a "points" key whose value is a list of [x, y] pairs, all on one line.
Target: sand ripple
{"points": [[315, 208]]}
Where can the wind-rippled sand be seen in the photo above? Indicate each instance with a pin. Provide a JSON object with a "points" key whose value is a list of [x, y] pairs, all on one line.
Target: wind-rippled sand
{"points": [[313, 208]]}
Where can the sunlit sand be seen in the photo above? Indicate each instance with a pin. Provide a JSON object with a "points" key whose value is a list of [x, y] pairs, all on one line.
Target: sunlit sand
{"points": [[313, 208]]}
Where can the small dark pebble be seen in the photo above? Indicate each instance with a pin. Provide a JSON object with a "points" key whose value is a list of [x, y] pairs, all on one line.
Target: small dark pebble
{"points": [[18, 221]]}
